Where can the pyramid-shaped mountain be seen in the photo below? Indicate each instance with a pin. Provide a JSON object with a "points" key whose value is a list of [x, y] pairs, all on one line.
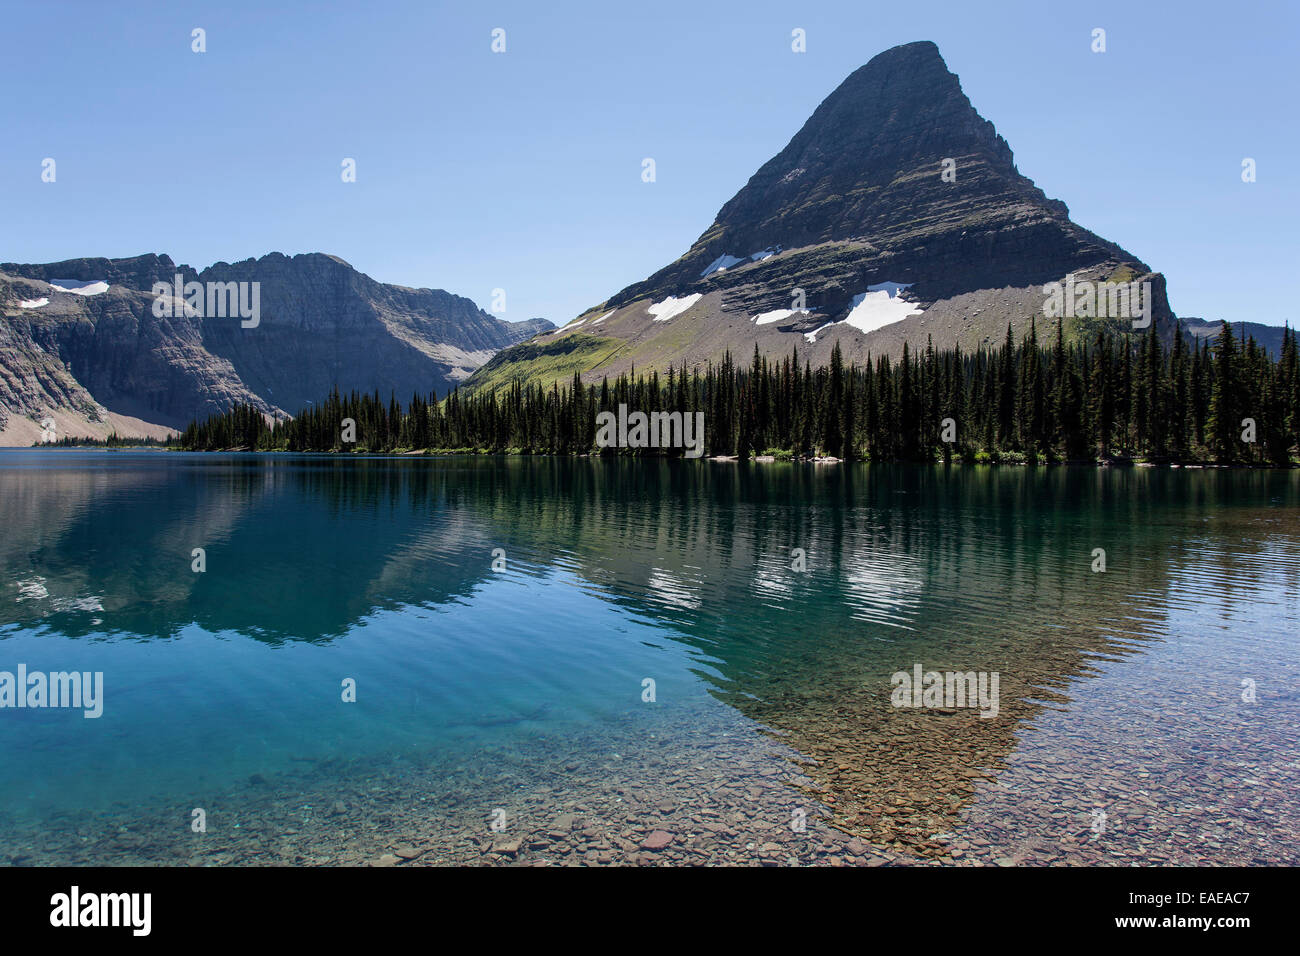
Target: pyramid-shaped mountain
{"points": [[895, 214]]}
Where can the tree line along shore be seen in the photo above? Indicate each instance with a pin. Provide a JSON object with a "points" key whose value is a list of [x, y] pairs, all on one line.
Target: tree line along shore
{"points": [[1120, 397]]}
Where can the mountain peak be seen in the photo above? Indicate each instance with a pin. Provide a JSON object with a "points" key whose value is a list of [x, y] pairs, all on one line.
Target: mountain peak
{"points": [[918, 62], [876, 145], [894, 157], [894, 215]]}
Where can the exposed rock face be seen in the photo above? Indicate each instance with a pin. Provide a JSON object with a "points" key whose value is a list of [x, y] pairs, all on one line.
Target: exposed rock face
{"points": [[859, 199], [99, 361], [868, 165]]}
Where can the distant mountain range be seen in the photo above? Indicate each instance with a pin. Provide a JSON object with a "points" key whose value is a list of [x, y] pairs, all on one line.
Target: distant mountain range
{"points": [[1268, 337], [895, 214], [82, 343]]}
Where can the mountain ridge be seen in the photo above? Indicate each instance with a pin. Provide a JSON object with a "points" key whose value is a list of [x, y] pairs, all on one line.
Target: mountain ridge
{"points": [[93, 355]]}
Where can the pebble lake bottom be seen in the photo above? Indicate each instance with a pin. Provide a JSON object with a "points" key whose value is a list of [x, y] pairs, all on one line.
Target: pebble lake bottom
{"points": [[651, 674]]}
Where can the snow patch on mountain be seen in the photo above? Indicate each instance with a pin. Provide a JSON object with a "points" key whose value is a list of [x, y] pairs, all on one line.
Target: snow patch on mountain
{"points": [[725, 261], [893, 288], [878, 307], [776, 315], [80, 286], [882, 304], [672, 306], [720, 264], [33, 303]]}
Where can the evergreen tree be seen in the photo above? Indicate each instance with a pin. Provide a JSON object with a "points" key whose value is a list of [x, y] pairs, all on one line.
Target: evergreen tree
{"points": [[1224, 415]]}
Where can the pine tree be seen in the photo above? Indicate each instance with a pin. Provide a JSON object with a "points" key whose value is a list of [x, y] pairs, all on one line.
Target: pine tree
{"points": [[1224, 416]]}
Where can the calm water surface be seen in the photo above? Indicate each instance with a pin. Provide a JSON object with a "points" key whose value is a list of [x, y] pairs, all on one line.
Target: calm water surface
{"points": [[1146, 714]]}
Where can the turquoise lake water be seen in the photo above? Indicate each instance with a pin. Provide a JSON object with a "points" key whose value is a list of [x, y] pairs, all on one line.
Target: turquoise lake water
{"points": [[769, 604]]}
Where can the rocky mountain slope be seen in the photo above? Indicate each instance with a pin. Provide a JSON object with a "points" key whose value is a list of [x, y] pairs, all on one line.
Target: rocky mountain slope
{"points": [[81, 343], [895, 214]]}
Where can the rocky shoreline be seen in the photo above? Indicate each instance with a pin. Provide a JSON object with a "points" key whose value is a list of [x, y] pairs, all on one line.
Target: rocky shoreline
{"points": [[701, 789]]}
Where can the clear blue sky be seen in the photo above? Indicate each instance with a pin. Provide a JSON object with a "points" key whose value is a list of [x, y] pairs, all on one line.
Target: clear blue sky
{"points": [[522, 170]]}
